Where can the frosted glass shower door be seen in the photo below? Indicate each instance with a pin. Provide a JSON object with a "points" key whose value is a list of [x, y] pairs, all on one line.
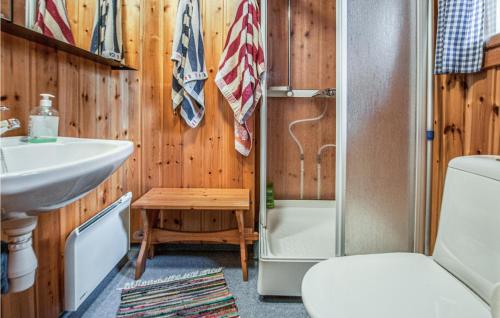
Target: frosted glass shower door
{"points": [[380, 112]]}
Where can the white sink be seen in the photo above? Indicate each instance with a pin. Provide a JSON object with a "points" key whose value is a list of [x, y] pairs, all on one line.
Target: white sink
{"points": [[37, 178], [42, 177]]}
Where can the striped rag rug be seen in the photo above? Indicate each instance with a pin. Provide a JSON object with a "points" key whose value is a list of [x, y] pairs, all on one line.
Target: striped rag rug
{"points": [[198, 294]]}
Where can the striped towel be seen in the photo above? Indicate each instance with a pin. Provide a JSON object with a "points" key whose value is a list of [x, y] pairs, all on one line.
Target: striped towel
{"points": [[52, 20], [240, 70], [189, 72], [107, 33]]}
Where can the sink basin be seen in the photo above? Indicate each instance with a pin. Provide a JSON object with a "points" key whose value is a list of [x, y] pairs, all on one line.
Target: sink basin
{"points": [[42, 177]]}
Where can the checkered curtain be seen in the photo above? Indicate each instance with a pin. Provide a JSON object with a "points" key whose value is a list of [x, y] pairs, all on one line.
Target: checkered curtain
{"points": [[460, 36]]}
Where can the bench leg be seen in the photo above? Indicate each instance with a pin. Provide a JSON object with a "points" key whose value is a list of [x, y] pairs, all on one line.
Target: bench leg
{"points": [[148, 219], [153, 221], [240, 218]]}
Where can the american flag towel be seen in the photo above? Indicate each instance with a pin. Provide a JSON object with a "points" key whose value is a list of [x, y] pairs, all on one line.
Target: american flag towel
{"points": [[240, 70], [107, 33], [460, 36], [52, 20], [189, 72]]}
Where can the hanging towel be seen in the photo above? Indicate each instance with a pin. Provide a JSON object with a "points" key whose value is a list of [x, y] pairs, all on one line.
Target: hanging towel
{"points": [[460, 36], [52, 20], [189, 72], [240, 70], [107, 32]]}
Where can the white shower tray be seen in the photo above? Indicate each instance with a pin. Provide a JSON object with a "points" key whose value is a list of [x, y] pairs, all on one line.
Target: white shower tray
{"points": [[299, 234]]}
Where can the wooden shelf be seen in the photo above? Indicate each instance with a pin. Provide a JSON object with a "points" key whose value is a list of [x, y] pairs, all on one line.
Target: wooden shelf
{"points": [[492, 52], [33, 36]]}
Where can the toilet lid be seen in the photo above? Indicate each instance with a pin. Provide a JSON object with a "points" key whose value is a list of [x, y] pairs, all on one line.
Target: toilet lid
{"points": [[386, 286]]}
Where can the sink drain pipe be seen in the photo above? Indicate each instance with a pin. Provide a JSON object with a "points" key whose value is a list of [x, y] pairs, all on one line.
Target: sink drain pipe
{"points": [[22, 262]]}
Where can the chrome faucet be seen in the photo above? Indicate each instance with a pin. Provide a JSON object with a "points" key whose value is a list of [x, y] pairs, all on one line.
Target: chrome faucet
{"points": [[8, 124]]}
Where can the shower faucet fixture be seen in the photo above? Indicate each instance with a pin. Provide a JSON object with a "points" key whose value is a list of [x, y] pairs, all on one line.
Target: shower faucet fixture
{"points": [[327, 92]]}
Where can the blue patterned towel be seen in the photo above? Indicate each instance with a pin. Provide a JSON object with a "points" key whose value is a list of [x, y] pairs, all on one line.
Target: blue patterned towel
{"points": [[189, 72], [460, 36], [107, 33]]}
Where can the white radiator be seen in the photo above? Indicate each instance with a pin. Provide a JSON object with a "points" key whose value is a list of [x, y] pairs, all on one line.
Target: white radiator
{"points": [[94, 249]]}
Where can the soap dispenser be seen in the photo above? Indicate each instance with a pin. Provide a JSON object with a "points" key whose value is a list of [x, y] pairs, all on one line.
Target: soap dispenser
{"points": [[44, 122]]}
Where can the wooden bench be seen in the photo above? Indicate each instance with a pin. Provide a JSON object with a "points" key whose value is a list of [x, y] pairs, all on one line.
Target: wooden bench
{"points": [[156, 199]]}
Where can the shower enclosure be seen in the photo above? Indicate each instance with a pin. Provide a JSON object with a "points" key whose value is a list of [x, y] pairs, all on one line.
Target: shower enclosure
{"points": [[342, 140], [298, 149]]}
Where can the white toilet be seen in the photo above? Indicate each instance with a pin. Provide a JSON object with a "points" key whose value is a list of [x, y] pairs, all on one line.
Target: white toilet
{"points": [[456, 282]]}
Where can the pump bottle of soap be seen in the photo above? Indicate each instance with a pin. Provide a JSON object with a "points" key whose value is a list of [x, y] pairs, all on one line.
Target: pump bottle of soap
{"points": [[44, 122]]}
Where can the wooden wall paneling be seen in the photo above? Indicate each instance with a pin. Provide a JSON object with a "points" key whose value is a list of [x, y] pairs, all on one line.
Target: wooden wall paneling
{"points": [[284, 154], [88, 113], [19, 305], [437, 179], [86, 15], [134, 132], [313, 43], [326, 32], [283, 173], [152, 88], [172, 123], [15, 66], [327, 128], [120, 127], [133, 35], [73, 11], [477, 108], [139, 109], [492, 143], [44, 79], [131, 25], [117, 122], [152, 94], [103, 126], [306, 27], [14, 94], [47, 287], [194, 162], [230, 159], [277, 41], [466, 123], [64, 76], [313, 66], [492, 55], [257, 167], [67, 101], [246, 169], [68, 68], [277, 126], [213, 26], [450, 127], [248, 182], [32, 69], [19, 12], [495, 139]]}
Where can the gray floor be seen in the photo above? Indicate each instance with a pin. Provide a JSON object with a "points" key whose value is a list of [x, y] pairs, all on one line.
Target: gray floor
{"points": [[173, 262]]}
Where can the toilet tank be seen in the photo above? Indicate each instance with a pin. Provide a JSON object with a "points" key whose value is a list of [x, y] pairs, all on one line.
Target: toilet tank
{"points": [[468, 242]]}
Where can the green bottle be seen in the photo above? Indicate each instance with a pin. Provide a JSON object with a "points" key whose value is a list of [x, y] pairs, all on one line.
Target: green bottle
{"points": [[270, 196]]}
